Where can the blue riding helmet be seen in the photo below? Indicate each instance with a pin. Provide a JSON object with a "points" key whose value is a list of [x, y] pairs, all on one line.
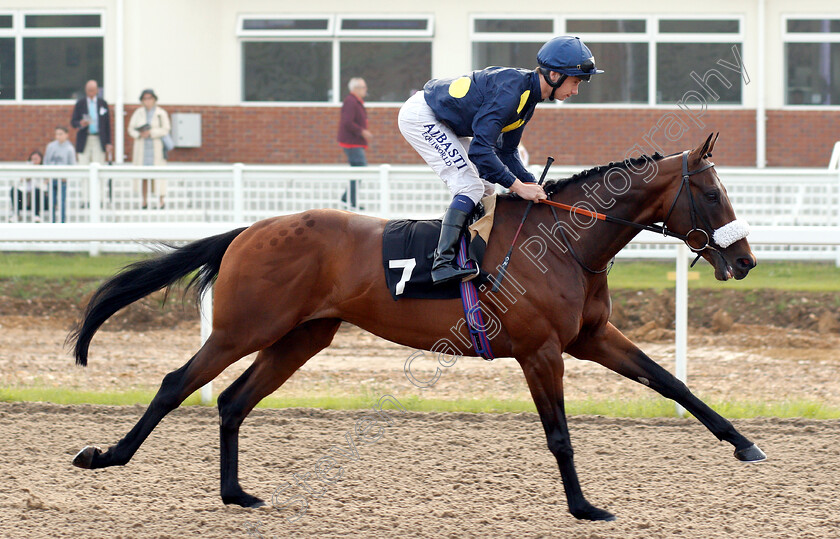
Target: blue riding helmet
{"points": [[568, 56]]}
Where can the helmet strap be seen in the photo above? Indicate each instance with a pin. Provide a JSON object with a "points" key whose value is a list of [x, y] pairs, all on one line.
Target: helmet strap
{"points": [[555, 85], [559, 84]]}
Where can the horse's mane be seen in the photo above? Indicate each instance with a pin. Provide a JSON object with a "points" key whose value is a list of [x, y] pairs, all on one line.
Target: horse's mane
{"points": [[553, 186]]}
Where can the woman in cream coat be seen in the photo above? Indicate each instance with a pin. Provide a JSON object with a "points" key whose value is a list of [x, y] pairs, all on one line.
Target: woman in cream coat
{"points": [[148, 147]]}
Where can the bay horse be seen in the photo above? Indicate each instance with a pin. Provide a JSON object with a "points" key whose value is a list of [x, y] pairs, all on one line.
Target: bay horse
{"points": [[284, 285]]}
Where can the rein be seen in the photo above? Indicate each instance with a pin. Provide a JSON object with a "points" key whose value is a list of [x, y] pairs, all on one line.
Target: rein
{"points": [[503, 266], [659, 229]]}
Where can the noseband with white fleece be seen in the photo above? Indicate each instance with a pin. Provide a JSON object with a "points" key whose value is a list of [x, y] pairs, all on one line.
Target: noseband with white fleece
{"points": [[731, 232]]}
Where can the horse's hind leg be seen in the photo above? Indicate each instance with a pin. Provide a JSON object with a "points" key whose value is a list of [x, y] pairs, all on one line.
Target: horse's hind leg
{"points": [[273, 366], [205, 365]]}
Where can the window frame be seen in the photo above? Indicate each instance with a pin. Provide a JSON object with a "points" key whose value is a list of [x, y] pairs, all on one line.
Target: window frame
{"points": [[19, 32], [652, 36], [334, 35], [804, 37]]}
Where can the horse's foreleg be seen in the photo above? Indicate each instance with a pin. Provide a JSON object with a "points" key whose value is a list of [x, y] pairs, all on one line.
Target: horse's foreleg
{"points": [[612, 349], [205, 365], [273, 366], [544, 373]]}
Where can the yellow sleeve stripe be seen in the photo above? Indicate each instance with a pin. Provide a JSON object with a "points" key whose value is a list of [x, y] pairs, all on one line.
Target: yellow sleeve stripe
{"points": [[518, 123], [523, 100]]}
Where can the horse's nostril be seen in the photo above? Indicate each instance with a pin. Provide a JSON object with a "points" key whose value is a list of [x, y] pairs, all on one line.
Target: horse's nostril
{"points": [[746, 263]]}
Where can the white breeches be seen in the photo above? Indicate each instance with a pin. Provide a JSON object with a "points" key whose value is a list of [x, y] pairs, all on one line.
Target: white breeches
{"points": [[442, 149]]}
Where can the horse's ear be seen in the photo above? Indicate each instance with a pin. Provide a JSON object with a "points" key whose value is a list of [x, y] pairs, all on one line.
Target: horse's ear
{"points": [[712, 145], [699, 152]]}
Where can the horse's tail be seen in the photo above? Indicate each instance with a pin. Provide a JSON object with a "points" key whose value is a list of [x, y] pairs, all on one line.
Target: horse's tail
{"points": [[140, 279]]}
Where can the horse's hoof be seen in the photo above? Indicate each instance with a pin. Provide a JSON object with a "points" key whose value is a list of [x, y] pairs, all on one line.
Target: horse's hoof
{"points": [[593, 513], [750, 454], [84, 458], [243, 500]]}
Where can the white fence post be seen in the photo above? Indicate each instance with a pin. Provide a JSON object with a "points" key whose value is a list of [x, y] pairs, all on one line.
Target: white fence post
{"points": [[206, 328], [834, 164], [681, 321], [837, 204], [385, 190], [238, 193], [94, 203]]}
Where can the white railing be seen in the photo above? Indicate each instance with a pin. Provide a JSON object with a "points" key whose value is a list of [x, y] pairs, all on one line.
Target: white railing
{"points": [[87, 232], [238, 193]]}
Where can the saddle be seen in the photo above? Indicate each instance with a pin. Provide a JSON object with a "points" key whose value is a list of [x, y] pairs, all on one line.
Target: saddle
{"points": [[408, 251], [407, 255]]}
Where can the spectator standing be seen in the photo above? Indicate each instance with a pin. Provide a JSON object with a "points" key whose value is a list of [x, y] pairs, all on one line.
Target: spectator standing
{"points": [[27, 189], [353, 134], [60, 152], [147, 126], [92, 118]]}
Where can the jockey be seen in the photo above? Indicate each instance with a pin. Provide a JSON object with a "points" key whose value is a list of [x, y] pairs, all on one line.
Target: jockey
{"points": [[492, 106]]}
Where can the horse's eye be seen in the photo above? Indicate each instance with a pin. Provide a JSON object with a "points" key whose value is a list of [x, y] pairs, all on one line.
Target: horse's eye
{"points": [[713, 196]]}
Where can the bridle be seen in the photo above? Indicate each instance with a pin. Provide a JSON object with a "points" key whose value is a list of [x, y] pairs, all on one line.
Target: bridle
{"points": [[686, 174], [685, 184]]}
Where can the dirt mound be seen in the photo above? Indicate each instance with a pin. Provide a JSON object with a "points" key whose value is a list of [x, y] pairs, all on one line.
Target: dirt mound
{"points": [[720, 310], [649, 311], [151, 312]]}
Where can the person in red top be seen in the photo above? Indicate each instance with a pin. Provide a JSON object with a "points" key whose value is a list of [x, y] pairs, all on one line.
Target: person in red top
{"points": [[353, 134]]}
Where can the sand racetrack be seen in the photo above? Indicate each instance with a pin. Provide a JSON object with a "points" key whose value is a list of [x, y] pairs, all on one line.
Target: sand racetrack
{"points": [[430, 475]]}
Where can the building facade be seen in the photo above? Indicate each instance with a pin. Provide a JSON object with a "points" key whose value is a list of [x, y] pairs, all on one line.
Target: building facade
{"points": [[268, 77]]}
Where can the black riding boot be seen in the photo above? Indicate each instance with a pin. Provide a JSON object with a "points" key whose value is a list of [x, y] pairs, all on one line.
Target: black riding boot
{"points": [[444, 268]]}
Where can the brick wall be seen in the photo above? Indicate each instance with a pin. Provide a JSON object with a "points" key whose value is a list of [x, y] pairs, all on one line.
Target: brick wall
{"points": [[24, 128], [801, 138], [572, 136]]}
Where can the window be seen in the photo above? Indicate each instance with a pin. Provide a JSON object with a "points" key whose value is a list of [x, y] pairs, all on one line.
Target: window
{"points": [[522, 26], [646, 60], [624, 26], [509, 42], [626, 82], [59, 53], [312, 58], [508, 54], [687, 46], [698, 26], [812, 61], [62, 21], [393, 75], [286, 70], [7, 68]]}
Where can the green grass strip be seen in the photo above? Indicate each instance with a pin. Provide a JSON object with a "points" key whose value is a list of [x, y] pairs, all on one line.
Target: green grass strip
{"points": [[638, 408], [799, 276], [70, 396], [63, 265]]}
